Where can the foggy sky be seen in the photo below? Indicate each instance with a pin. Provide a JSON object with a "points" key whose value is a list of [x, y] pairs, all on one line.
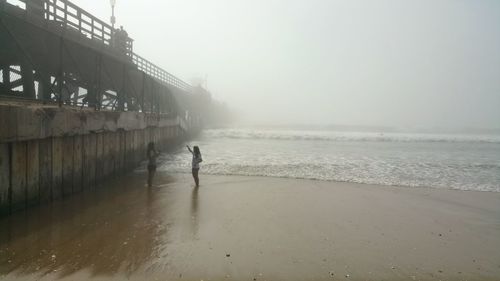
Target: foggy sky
{"points": [[394, 63]]}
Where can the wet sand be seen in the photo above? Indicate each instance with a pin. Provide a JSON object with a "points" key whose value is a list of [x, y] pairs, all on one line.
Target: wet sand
{"points": [[252, 228]]}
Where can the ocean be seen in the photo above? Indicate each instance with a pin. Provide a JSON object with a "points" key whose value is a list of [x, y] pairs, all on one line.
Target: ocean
{"points": [[451, 161]]}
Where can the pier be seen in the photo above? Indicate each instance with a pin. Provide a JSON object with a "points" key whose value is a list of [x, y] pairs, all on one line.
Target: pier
{"points": [[77, 104]]}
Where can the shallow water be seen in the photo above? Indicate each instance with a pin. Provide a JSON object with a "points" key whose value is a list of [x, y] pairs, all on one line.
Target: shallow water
{"points": [[464, 162]]}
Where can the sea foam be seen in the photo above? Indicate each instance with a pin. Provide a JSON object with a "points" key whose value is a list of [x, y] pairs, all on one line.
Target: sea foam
{"points": [[464, 162]]}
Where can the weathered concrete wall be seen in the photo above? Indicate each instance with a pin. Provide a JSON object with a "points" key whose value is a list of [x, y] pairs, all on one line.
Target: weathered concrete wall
{"points": [[22, 122], [48, 154]]}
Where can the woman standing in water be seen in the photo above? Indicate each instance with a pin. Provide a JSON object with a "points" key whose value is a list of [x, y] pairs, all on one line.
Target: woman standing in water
{"points": [[152, 153], [195, 164]]}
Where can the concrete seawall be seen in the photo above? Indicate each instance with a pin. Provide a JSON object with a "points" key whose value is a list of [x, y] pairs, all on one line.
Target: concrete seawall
{"points": [[47, 153]]}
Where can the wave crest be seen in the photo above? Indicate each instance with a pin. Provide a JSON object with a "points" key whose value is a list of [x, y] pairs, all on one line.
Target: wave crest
{"points": [[346, 136]]}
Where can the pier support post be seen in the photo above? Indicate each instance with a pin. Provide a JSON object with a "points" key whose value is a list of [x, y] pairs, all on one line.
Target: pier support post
{"points": [[6, 77], [4, 178], [33, 172], [44, 88], [57, 167], [19, 172], [28, 81], [45, 176]]}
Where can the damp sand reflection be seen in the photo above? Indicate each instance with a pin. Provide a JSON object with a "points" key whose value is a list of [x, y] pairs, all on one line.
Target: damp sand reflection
{"points": [[254, 228], [114, 228]]}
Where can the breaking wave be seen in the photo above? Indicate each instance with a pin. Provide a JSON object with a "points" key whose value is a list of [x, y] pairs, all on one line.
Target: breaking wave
{"points": [[346, 136]]}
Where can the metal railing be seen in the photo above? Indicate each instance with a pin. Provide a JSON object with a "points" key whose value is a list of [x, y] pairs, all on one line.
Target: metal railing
{"points": [[73, 16], [153, 70], [69, 15]]}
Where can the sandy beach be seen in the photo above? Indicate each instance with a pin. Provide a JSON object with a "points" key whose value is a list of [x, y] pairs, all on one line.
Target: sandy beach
{"points": [[255, 228]]}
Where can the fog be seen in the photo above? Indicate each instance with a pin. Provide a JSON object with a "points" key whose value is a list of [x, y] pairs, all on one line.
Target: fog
{"points": [[385, 63]]}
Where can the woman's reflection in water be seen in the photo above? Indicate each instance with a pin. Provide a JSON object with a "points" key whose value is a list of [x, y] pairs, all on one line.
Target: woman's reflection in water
{"points": [[194, 211]]}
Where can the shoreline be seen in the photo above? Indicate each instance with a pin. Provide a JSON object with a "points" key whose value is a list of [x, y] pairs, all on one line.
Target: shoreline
{"points": [[262, 228], [142, 169]]}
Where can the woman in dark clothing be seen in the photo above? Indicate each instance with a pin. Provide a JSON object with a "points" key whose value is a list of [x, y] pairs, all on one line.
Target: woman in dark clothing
{"points": [[195, 164], [152, 153]]}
